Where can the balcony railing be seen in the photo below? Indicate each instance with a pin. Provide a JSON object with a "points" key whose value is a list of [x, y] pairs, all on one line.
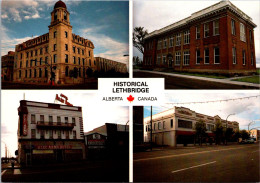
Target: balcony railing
{"points": [[56, 125]]}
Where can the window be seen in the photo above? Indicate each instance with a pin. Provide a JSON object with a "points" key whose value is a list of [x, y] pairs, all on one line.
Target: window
{"points": [[78, 60], [184, 124], [33, 133], [252, 58], [164, 59], [233, 27], [36, 52], [21, 55], [35, 62], [74, 59], [40, 72], [73, 121], [206, 56], [66, 47], [50, 119], [242, 32], [82, 52], [216, 55], [177, 58], [50, 134], [30, 73], [20, 74], [31, 53], [59, 134], [74, 49], [33, 118], [67, 71], [41, 118], [154, 126], [78, 51], [197, 32], [42, 134], [66, 34], [210, 127], [83, 61], [21, 63], [206, 30], [187, 37], [159, 125], [54, 47], [197, 56], [54, 58], [46, 72], [234, 55], [186, 57], [89, 53], [178, 39], [74, 134], [66, 119], [159, 44], [65, 15], [41, 61], [164, 125], [66, 58], [250, 36], [27, 54], [171, 41], [46, 60], [67, 134], [165, 43], [35, 72], [58, 120], [55, 15], [54, 34], [216, 27], [244, 57], [40, 51], [158, 60], [46, 49]]}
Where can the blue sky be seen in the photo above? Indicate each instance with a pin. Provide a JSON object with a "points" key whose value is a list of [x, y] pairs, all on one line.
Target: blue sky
{"points": [[245, 110], [151, 17], [106, 24]]}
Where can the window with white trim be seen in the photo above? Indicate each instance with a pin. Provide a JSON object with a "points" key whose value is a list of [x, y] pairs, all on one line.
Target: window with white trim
{"points": [[178, 39], [197, 32], [159, 44], [165, 43], [216, 27], [206, 30], [186, 57], [158, 60], [233, 27], [171, 42], [244, 57], [242, 32], [197, 56], [216, 55], [187, 37], [234, 55], [177, 58], [206, 56]]}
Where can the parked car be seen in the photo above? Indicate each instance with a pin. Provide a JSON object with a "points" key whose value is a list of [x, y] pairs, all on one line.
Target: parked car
{"points": [[248, 141]]}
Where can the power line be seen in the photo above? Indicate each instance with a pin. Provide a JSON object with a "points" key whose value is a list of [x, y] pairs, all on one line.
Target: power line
{"points": [[213, 101]]}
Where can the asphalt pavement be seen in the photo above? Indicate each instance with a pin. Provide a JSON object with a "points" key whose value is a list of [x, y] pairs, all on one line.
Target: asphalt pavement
{"points": [[232, 163]]}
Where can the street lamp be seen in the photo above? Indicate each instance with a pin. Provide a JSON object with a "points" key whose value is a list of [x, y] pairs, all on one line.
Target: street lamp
{"points": [[227, 127]]}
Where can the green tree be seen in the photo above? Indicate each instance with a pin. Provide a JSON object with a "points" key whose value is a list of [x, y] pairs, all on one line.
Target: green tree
{"points": [[200, 128], [218, 131], [244, 134], [229, 132], [138, 38]]}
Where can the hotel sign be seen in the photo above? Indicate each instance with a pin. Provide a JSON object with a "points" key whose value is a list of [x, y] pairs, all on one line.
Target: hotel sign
{"points": [[63, 99], [54, 147], [25, 124]]}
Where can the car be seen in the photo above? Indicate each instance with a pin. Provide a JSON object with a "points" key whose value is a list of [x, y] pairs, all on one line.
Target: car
{"points": [[248, 141]]}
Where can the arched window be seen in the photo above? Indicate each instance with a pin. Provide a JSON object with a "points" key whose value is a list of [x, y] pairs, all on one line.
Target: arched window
{"points": [[65, 15], [55, 15], [67, 71]]}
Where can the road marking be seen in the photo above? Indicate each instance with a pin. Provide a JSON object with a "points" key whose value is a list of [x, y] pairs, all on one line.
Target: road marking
{"points": [[17, 172], [3, 172], [194, 166], [186, 154]]}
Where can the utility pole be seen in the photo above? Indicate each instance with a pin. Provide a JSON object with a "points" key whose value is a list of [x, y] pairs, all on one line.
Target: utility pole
{"points": [[227, 127], [151, 138]]}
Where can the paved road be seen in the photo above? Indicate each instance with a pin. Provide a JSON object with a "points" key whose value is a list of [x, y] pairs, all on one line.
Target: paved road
{"points": [[94, 171], [175, 82], [233, 163]]}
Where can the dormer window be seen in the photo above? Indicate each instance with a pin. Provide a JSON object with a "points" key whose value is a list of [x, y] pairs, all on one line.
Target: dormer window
{"points": [[65, 15], [55, 15]]}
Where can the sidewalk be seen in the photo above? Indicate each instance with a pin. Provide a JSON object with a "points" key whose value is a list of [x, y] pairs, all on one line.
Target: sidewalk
{"points": [[224, 81]]}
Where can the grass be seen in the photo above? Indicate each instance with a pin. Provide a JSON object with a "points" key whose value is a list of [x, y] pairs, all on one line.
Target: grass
{"points": [[252, 79], [258, 71]]}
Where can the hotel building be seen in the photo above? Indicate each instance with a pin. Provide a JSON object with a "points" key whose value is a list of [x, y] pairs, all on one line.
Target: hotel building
{"points": [[217, 39], [58, 49], [176, 126], [49, 133]]}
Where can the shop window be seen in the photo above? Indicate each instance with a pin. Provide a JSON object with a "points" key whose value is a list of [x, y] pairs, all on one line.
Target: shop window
{"points": [[184, 124]]}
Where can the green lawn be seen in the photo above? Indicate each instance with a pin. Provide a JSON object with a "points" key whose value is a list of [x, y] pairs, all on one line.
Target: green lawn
{"points": [[258, 70], [252, 79]]}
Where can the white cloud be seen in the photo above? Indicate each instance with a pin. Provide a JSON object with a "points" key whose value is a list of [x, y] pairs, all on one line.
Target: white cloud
{"points": [[154, 15]]}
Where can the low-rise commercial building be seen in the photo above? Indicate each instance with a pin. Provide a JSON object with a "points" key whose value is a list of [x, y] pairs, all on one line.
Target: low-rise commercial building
{"points": [[176, 126], [49, 133], [7, 66]]}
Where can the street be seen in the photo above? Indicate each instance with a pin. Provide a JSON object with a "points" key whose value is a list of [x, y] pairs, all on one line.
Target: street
{"points": [[85, 171], [232, 163], [174, 82]]}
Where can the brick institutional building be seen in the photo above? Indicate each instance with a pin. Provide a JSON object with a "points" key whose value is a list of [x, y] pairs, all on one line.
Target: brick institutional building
{"points": [[59, 48], [49, 133], [176, 126], [217, 39], [7, 66], [105, 65]]}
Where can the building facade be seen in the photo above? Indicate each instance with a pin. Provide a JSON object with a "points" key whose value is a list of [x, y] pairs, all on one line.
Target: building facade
{"points": [[217, 39], [49, 133], [7, 66], [255, 134], [176, 126], [59, 51], [104, 64]]}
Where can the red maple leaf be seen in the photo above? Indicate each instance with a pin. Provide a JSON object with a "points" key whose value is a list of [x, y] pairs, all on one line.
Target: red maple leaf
{"points": [[130, 98]]}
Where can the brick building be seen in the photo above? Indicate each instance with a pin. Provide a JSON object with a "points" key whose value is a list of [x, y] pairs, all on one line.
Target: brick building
{"points": [[7, 66], [176, 126], [217, 39], [49, 133], [59, 48], [104, 64]]}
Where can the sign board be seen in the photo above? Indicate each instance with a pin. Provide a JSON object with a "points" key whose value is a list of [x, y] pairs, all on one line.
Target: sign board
{"points": [[63, 99], [55, 147], [25, 124]]}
